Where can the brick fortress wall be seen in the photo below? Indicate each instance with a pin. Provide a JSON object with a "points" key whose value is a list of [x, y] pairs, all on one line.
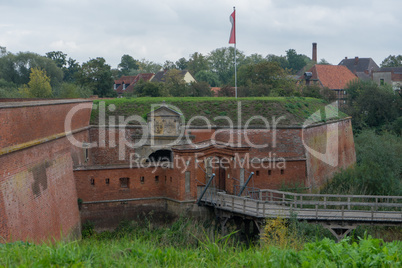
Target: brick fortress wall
{"points": [[38, 197], [288, 144], [331, 140], [300, 169], [43, 174]]}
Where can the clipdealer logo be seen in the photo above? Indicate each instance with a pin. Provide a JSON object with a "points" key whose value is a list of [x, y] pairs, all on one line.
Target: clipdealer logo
{"points": [[331, 154]]}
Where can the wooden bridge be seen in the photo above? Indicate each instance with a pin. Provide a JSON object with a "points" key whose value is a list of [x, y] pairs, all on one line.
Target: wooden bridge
{"points": [[338, 213]]}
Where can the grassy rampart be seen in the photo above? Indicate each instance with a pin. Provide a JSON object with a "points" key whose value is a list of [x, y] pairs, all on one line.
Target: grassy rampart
{"points": [[293, 110]]}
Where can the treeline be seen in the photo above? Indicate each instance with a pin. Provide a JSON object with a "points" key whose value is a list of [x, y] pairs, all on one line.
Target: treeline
{"points": [[378, 169], [27, 74], [30, 75], [373, 106], [55, 75], [377, 125], [257, 75]]}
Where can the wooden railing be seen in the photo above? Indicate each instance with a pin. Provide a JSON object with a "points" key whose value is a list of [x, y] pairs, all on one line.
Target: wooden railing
{"points": [[210, 194], [272, 203], [331, 201]]}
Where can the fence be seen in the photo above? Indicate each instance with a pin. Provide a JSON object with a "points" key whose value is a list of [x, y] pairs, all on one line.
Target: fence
{"points": [[272, 203]]}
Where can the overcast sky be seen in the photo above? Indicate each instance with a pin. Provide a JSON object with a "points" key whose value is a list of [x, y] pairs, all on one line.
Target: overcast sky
{"points": [[160, 30]]}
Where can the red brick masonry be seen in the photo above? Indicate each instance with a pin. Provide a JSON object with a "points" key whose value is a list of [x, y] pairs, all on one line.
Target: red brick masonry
{"points": [[38, 197]]}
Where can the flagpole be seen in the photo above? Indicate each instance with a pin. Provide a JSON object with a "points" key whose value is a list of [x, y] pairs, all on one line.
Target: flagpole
{"points": [[232, 40], [235, 62]]}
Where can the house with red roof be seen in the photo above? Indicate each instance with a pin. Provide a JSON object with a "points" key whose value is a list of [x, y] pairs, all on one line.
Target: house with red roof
{"points": [[333, 77], [127, 83], [215, 91]]}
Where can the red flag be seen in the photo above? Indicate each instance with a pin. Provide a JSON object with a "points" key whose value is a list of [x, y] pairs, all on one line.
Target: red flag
{"points": [[232, 18]]}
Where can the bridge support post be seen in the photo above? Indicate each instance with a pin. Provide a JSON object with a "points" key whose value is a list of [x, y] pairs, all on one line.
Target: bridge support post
{"points": [[247, 230], [223, 225], [222, 218], [258, 224], [339, 231]]}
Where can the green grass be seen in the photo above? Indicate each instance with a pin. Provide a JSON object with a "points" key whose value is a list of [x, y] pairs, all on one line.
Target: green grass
{"points": [[294, 109], [186, 243], [139, 252]]}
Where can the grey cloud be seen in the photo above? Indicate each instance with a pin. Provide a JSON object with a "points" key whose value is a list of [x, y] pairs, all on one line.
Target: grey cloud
{"points": [[167, 30]]}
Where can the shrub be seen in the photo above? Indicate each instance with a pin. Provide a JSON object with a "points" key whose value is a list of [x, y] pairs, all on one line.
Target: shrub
{"points": [[278, 233], [88, 229], [378, 170]]}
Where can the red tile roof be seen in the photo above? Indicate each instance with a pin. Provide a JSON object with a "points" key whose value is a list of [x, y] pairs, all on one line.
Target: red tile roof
{"points": [[215, 90], [332, 76], [131, 81]]}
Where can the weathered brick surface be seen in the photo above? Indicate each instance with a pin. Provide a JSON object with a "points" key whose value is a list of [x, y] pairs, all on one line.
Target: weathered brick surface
{"points": [[267, 175], [263, 143], [266, 143], [39, 190], [92, 184], [200, 134], [98, 189], [288, 165], [109, 142], [24, 124], [38, 197], [291, 174], [323, 138]]}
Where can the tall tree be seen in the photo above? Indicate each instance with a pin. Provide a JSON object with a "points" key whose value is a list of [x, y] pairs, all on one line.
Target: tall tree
{"points": [[8, 89], [324, 62], [264, 76], [72, 90], [71, 70], [58, 57], [182, 64], [196, 63], [169, 65], [372, 105], [295, 61], [96, 75], [254, 58], [148, 89], [3, 51], [281, 60], [175, 83], [38, 85], [127, 65], [221, 61], [392, 61], [146, 66], [69, 66], [207, 76], [17, 68]]}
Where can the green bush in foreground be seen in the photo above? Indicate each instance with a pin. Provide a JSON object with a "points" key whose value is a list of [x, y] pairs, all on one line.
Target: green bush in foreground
{"points": [[131, 252]]}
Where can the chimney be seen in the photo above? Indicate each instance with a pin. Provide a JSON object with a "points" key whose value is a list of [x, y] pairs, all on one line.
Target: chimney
{"points": [[315, 52], [346, 58], [356, 60]]}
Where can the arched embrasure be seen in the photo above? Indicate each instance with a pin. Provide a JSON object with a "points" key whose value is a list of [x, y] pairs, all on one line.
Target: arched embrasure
{"points": [[161, 156]]}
